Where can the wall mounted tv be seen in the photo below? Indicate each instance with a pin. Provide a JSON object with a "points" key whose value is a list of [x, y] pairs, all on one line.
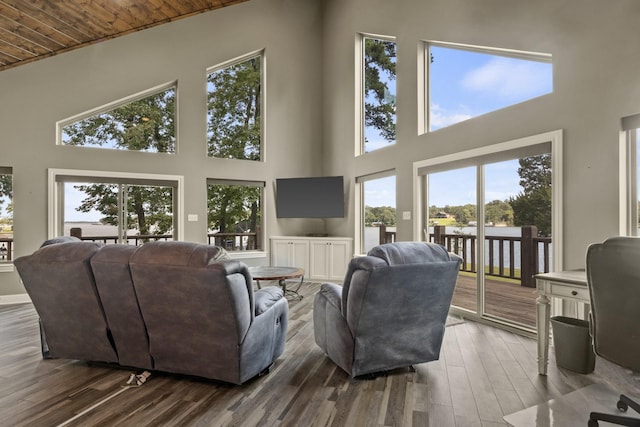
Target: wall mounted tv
{"points": [[316, 197]]}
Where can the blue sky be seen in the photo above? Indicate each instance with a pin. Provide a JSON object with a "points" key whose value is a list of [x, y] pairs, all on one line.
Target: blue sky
{"points": [[466, 84]]}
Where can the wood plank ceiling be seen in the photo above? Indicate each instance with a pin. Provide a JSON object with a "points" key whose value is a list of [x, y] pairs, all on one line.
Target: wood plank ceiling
{"points": [[35, 29]]}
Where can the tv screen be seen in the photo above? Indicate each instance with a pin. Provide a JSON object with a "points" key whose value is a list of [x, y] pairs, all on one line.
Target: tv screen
{"points": [[320, 197]]}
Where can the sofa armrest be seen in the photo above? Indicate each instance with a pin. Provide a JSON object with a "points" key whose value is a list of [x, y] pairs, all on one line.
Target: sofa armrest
{"points": [[333, 294], [266, 297]]}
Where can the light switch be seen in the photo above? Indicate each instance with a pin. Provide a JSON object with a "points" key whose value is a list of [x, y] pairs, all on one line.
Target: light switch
{"points": [[192, 217], [406, 214]]}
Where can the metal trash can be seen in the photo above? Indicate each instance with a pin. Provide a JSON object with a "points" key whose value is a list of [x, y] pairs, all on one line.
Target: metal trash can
{"points": [[573, 345]]}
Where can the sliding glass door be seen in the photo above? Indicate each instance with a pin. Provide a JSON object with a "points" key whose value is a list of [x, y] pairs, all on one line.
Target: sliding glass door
{"points": [[114, 209], [495, 212]]}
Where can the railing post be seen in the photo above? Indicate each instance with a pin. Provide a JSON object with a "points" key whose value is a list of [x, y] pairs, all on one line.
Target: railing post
{"points": [[438, 234], [527, 256], [382, 229], [76, 232]]}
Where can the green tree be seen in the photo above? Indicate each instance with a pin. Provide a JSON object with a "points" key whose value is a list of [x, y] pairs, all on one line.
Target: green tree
{"points": [[6, 187], [6, 191], [380, 215], [532, 206], [234, 208], [147, 124], [149, 208], [498, 211], [380, 105], [234, 111]]}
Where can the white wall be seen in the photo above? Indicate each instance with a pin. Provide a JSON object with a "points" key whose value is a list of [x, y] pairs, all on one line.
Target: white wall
{"points": [[35, 96], [596, 58]]}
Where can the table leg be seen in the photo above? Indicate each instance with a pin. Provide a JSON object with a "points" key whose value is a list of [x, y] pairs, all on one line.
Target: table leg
{"points": [[293, 293], [542, 321]]}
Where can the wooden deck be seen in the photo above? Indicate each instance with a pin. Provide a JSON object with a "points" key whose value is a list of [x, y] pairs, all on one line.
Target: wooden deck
{"points": [[505, 300]]}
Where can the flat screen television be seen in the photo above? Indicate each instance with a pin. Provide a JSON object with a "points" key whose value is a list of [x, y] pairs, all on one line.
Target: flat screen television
{"points": [[314, 197]]}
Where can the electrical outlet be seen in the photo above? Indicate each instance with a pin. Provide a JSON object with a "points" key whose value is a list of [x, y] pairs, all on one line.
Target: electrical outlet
{"points": [[406, 215], [192, 217]]}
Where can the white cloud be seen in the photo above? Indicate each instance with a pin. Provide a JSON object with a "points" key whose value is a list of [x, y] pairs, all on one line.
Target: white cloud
{"points": [[440, 117], [508, 78]]}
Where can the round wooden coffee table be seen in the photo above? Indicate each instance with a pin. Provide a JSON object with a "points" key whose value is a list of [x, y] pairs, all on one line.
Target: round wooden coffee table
{"points": [[281, 274]]}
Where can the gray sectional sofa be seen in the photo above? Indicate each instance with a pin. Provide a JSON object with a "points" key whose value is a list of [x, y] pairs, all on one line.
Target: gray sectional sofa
{"points": [[176, 307]]}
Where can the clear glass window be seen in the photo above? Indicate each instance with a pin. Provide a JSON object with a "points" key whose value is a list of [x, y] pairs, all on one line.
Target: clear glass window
{"points": [[379, 94], [143, 124], [234, 110], [112, 210], [466, 82], [234, 218], [6, 214], [379, 212]]}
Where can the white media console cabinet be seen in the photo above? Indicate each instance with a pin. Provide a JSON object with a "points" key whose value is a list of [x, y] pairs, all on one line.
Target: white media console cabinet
{"points": [[323, 258]]}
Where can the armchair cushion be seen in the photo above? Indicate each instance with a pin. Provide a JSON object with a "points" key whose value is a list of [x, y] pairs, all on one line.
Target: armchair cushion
{"points": [[266, 298]]}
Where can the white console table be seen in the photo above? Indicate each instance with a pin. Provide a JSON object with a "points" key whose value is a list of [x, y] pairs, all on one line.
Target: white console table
{"points": [[571, 284]]}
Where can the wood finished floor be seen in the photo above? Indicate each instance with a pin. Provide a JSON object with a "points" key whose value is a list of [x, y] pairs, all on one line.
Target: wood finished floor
{"points": [[483, 374]]}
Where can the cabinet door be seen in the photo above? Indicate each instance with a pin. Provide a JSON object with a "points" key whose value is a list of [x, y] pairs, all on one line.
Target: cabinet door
{"points": [[299, 254], [340, 254], [319, 259], [280, 252]]}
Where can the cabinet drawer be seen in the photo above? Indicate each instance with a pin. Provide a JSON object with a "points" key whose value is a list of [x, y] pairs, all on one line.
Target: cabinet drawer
{"points": [[564, 291]]}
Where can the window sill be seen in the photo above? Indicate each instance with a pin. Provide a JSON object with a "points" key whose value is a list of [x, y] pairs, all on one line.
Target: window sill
{"points": [[6, 267], [247, 254]]}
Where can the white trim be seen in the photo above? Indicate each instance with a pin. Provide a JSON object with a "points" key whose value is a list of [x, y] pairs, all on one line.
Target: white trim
{"points": [[359, 116], [259, 53], [113, 105], [54, 209], [6, 267], [555, 137], [14, 299], [512, 53], [247, 254]]}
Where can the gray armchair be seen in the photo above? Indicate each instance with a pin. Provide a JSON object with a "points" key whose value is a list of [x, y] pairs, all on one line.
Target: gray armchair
{"points": [[391, 310], [613, 275]]}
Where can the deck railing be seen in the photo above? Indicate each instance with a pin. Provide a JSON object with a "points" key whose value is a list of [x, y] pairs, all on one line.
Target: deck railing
{"points": [[6, 248], [501, 255], [234, 241]]}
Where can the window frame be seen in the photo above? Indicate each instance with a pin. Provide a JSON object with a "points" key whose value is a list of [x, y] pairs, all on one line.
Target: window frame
{"points": [[424, 73], [55, 194], [114, 105], [628, 178], [359, 148], [261, 236], [260, 53], [360, 206], [495, 152], [7, 265]]}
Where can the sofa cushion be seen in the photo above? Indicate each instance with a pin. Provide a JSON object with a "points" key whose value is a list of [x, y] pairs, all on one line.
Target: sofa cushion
{"points": [[266, 298]]}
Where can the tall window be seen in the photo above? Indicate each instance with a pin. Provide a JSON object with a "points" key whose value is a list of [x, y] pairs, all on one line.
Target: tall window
{"points": [[494, 207], [378, 93], [630, 221], [234, 109], [116, 208], [144, 122], [468, 81], [378, 218], [234, 217], [6, 214]]}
